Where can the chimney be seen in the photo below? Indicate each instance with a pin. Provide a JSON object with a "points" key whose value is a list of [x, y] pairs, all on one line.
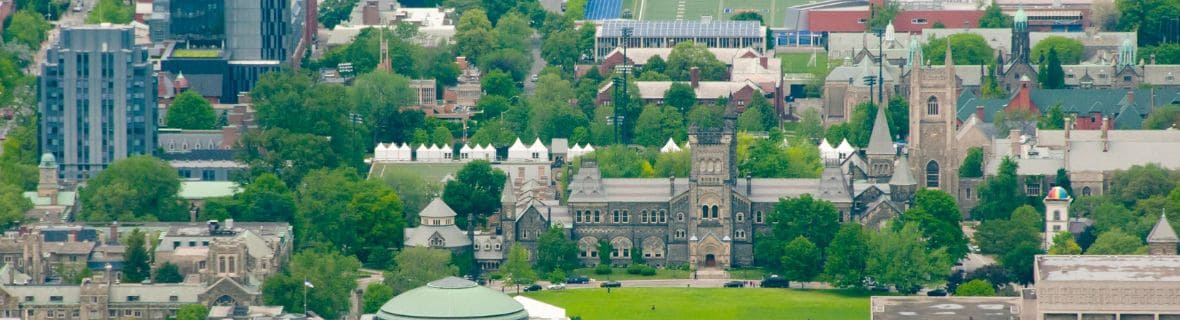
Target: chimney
{"points": [[1105, 137], [1014, 139], [749, 186], [695, 75], [1068, 127], [765, 61], [73, 236], [979, 113], [672, 186], [113, 236], [1131, 96]]}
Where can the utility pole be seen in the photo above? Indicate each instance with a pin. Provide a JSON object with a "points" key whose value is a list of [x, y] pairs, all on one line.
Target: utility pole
{"points": [[880, 65], [626, 72]]}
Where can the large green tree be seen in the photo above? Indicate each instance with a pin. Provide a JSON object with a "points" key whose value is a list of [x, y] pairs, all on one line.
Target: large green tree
{"points": [[476, 190], [517, 269], [681, 96], [376, 295], [111, 11], [999, 236], [13, 205], [973, 164], [967, 49], [191, 111], [1053, 76], [688, 54], [168, 273], [815, 219], [136, 261], [27, 27], [133, 189], [339, 210], [1069, 50], [801, 260], [192, 312], [976, 288], [1000, 194], [556, 252], [1163, 117], [937, 214], [1116, 242], [417, 266], [847, 257], [1149, 18], [332, 277], [1063, 243], [512, 31], [902, 258], [473, 34], [656, 124], [994, 18]]}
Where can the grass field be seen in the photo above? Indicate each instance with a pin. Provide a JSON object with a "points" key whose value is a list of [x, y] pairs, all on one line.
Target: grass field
{"points": [[799, 62], [708, 303], [772, 10], [431, 172]]}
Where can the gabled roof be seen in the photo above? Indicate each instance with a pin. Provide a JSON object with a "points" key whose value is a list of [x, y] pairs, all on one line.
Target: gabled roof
{"points": [[1162, 232], [437, 209]]}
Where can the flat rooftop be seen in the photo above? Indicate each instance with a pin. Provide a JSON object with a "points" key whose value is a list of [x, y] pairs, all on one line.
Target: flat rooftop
{"points": [[1108, 268], [937, 308]]}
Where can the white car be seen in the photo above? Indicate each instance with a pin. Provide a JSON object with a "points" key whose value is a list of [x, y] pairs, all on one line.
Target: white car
{"points": [[557, 286]]}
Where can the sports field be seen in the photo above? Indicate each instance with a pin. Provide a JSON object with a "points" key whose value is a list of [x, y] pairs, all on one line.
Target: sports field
{"points": [[772, 10], [708, 303]]}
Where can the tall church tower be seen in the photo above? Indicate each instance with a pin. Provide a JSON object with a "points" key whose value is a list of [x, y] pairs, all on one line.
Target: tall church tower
{"points": [[47, 180], [1020, 40], [712, 179], [1056, 213], [933, 147]]}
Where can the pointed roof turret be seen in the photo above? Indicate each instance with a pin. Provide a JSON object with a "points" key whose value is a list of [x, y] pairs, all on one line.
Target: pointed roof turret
{"points": [[1162, 232], [949, 62], [437, 209], [901, 173], [890, 33], [508, 194], [1020, 19], [880, 142]]}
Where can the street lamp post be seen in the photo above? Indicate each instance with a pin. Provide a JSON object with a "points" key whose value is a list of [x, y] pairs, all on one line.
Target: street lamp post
{"points": [[880, 65]]}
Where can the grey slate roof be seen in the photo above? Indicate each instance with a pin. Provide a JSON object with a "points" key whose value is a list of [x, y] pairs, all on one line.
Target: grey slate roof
{"points": [[1162, 232], [453, 237], [881, 140], [901, 173], [437, 209], [670, 28]]}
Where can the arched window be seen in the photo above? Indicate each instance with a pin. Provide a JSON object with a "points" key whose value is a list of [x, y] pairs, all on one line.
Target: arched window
{"points": [[626, 216], [615, 216], [715, 211], [437, 242], [1056, 215], [758, 216], [643, 216], [932, 106], [741, 234], [663, 216], [932, 174], [740, 217], [680, 216], [1086, 191], [597, 215], [578, 215], [704, 212]]}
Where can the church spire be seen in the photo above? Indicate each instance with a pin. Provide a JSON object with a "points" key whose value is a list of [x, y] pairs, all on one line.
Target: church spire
{"points": [[1162, 240], [950, 61], [880, 141]]}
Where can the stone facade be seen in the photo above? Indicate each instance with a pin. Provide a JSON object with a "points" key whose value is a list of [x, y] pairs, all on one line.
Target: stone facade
{"points": [[933, 139]]}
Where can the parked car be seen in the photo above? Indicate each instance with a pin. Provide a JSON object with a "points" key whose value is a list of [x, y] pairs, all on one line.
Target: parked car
{"points": [[557, 286], [533, 287], [577, 280], [936, 293], [611, 284], [735, 284], [775, 281]]}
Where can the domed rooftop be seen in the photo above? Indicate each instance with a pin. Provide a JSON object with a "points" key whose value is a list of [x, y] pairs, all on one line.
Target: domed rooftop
{"points": [[1057, 193], [452, 298], [48, 160]]}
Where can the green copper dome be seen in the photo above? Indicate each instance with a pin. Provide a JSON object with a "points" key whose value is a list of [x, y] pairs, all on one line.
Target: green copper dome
{"points": [[48, 161], [452, 298]]}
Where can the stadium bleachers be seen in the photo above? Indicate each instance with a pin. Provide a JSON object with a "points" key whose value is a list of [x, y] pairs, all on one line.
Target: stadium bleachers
{"points": [[603, 9]]}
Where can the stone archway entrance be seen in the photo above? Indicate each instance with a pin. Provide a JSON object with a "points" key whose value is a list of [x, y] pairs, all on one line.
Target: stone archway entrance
{"points": [[710, 261]]}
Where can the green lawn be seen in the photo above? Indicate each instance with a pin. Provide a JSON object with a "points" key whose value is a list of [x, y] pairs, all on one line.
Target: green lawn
{"points": [[431, 172], [708, 303], [800, 62], [621, 274], [195, 53]]}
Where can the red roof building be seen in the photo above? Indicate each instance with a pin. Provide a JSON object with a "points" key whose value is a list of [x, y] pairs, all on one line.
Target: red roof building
{"points": [[853, 20]]}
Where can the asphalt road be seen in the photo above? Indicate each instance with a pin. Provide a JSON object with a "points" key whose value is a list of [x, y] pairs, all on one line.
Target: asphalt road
{"points": [[69, 18], [538, 64]]}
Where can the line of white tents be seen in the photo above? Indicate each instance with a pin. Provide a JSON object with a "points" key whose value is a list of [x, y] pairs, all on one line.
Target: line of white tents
{"points": [[840, 152], [393, 152]]}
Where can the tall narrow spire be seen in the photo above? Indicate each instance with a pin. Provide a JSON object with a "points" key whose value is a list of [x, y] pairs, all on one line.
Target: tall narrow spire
{"points": [[950, 61], [880, 141], [385, 64]]}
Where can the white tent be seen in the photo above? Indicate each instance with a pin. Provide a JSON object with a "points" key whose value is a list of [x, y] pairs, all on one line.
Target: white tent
{"points": [[465, 152], [488, 153], [447, 151], [827, 152], [403, 153], [538, 151], [845, 149], [518, 151], [422, 153], [670, 147]]}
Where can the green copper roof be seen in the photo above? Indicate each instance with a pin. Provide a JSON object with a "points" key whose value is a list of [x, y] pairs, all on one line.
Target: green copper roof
{"points": [[452, 298], [190, 190]]}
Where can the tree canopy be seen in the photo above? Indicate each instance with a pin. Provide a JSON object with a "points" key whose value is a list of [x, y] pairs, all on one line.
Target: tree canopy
{"points": [[332, 274], [994, 18], [191, 111], [1069, 50], [136, 262], [111, 11], [967, 49], [138, 188], [417, 266], [688, 54], [475, 189], [339, 210]]}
